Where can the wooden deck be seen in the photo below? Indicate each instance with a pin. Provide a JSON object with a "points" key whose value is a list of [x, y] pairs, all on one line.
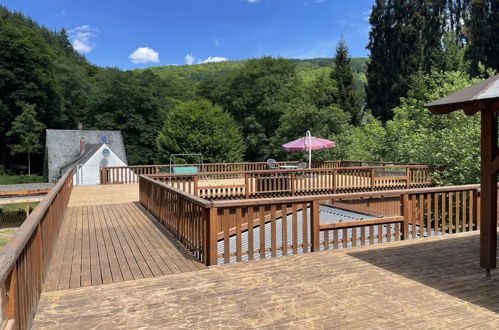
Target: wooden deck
{"points": [[426, 283], [114, 242]]}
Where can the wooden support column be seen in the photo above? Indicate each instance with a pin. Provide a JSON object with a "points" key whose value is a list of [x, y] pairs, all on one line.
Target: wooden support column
{"points": [[488, 178], [315, 226], [406, 212], [210, 248]]}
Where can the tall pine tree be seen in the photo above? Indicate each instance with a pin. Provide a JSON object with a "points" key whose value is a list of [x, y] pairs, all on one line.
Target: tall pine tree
{"points": [[343, 76], [478, 34], [404, 39]]}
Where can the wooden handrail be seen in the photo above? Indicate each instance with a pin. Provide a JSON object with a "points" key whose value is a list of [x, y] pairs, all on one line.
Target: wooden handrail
{"points": [[360, 223], [26, 256]]}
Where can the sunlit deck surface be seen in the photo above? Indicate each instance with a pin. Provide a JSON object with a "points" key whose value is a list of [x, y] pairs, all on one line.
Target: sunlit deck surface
{"points": [[106, 237], [427, 283]]}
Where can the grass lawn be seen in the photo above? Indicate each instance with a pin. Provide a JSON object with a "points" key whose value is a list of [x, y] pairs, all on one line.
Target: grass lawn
{"points": [[5, 235], [15, 179], [16, 207]]}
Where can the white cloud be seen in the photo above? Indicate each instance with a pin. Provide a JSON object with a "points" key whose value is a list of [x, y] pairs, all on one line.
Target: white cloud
{"points": [[189, 59], [253, 1], [144, 55], [217, 43], [214, 59], [81, 38]]}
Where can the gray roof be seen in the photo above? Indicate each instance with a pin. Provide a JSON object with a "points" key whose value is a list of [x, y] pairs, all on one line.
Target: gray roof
{"points": [[63, 147], [90, 150], [487, 89]]}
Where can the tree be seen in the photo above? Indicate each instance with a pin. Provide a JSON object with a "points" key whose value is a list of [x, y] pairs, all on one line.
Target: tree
{"points": [[201, 127], [256, 96], [343, 76], [26, 130], [404, 39]]}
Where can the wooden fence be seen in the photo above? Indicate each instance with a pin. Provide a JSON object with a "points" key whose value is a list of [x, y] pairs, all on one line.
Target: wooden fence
{"points": [[129, 174], [26, 257], [282, 183], [237, 230]]}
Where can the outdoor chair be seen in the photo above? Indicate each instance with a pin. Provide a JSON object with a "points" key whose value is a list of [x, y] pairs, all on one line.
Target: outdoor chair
{"points": [[302, 165], [272, 164]]}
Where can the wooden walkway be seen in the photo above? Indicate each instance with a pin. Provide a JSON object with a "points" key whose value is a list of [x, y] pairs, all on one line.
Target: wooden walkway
{"points": [[425, 283], [109, 243]]}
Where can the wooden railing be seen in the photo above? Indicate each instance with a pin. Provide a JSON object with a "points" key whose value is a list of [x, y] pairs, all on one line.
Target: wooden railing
{"points": [[230, 230], [26, 256], [129, 174], [280, 183], [443, 210]]}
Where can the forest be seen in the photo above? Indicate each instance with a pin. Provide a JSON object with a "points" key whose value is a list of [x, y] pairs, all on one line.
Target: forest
{"points": [[244, 110]]}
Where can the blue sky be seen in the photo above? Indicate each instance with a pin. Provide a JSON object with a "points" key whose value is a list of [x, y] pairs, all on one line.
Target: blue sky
{"points": [[136, 34]]}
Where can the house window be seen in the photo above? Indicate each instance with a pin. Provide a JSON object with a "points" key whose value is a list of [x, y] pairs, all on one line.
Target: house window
{"points": [[104, 139], [106, 152]]}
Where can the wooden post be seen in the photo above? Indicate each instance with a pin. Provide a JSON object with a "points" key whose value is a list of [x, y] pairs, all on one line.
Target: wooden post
{"points": [[27, 209], [246, 186], [315, 226], [488, 199], [293, 188], [104, 175], [407, 177], [195, 180], [406, 212], [10, 309], [372, 179], [335, 181], [210, 248]]}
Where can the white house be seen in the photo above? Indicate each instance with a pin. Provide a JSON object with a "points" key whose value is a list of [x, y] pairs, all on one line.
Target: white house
{"points": [[84, 151]]}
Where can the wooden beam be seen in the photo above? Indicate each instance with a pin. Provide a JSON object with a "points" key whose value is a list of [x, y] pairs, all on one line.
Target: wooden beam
{"points": [[488, 207]]}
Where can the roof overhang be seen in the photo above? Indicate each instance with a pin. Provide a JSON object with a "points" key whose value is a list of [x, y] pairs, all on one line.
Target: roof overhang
{"points": [[481, 96]]}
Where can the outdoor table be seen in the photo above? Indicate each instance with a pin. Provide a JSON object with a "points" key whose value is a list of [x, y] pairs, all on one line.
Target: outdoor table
{"points": [[288, 167]]}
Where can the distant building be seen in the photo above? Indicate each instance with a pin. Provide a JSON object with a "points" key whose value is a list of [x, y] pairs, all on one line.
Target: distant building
{"points": [[84, 151]]}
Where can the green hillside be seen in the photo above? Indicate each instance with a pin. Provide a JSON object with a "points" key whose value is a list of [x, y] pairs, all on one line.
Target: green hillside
{"points": [[307, 69]]}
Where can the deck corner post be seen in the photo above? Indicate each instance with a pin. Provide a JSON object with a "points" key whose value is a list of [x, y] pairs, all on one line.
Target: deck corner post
{"points": [[315, 225], [405, 208], [210, 248], [246, 186], [196, 185], [104, 175], [488, 183], [408, 177]]}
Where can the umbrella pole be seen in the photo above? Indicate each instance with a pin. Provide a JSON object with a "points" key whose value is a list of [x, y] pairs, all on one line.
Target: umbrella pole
{"points": [[309, 149]]}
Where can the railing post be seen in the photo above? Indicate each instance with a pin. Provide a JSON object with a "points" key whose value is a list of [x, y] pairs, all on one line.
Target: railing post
{"points": [[476, 218], [293, 187], [315, 226], [335, 181], [196, 179], [104, 175], [406, 213], [246, 186], [407, 177], [372, 179], [210, 248]]}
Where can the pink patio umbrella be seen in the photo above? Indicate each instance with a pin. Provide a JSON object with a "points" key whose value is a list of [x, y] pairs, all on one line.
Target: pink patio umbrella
{"points": [[308, 143]]}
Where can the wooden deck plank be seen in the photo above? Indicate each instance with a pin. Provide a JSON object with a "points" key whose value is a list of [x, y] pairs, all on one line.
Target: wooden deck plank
{"points": [[104, 263], [86, 275], [361, 287], [95, 267], [150, 254], [114, 265], [104, 244], [118, 248], [54, 273], [75, 275]]}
